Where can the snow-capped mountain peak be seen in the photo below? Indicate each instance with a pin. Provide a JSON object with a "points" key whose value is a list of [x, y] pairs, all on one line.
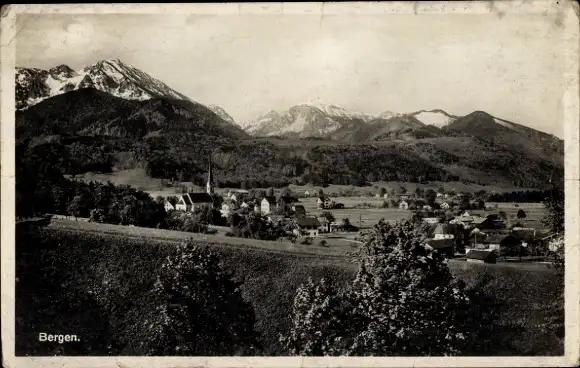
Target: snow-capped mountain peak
{"points": [[438, 118], [111, 76]]}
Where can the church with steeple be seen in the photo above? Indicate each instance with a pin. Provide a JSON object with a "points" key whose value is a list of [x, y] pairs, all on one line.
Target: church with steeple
{"points": [[209, 185], [191, 202]]}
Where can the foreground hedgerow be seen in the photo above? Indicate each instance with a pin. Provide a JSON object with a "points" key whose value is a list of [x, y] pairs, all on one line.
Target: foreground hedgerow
{"points": [[65, 280]]}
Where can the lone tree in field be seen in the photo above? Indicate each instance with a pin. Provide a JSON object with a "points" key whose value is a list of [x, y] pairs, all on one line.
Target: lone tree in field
{"points": [[521, 214], [404, 301], [200, 309]]}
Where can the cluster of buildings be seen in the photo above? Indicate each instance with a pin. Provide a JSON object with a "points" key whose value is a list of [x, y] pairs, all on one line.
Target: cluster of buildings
{"points": [[270, 206], [487, 236]]}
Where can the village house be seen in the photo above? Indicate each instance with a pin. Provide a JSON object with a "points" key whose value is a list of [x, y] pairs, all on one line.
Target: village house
{"points": [[403, 197], [191, 202], [489, 222], [465, 220], [497, 242], [307, 226], [237, 195], [286, 202], [481, 256], [298, 210], [268, 205], [168, 206], [445, 246], [324, 224], [442, 232], [431, 220], [403, 205], [323, 202]]}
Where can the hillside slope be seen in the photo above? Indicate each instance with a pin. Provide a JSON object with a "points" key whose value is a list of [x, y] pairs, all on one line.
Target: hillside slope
{"points": [[91, 112]]}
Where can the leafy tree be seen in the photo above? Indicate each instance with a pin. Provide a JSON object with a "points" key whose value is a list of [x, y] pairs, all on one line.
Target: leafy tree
{"points": [[97, 215], [430, 196], [503, 215], [481, 204], [555, 205], [382, 192], [521, 214], [441, 190], [200, 310], [270, 192], [328, 216], [314, 320], [403, 189], [464, 204], [78, 207], [129, 214], [173, 200], [403, 301]]}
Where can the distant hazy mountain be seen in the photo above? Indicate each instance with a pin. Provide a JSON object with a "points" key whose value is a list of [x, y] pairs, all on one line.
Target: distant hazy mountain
{"points": [[307, 120], [335, 122], [111, 76]]}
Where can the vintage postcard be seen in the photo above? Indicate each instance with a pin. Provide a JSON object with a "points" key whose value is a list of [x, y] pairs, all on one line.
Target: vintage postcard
{"points": [[290, 184]]}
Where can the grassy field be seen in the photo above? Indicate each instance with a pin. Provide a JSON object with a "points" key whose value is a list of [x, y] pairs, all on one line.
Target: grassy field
{"points": [[337, 247], [271, 276], [362, 217], [139, 179], [534, 212], [371, 190]]}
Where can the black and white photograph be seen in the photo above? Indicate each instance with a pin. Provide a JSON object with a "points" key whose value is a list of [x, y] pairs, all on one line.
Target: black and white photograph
{"points": [[331, 180]]}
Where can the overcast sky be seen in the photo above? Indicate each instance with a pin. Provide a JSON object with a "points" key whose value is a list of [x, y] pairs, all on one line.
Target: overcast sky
{"points": [[511, 67]]}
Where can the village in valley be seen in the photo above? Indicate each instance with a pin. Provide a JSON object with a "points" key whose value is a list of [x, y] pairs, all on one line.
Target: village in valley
{"points": [[460, 225]]}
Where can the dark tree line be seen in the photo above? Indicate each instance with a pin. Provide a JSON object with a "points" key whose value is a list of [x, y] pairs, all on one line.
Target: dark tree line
{"points": [[528, 196]]}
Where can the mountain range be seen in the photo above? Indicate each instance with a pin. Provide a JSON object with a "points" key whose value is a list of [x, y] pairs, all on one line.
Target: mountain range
{"points": [[335, 122], [162, 127]]}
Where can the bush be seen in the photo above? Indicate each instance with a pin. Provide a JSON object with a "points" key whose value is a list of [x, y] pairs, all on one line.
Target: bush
{"points": [[323, 243], [403, 301], [97, 215], [200, 308], [307, 241]]}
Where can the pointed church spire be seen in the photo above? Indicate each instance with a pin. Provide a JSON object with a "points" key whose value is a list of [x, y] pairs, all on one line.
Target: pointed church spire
{"points": [[209, 187]]}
